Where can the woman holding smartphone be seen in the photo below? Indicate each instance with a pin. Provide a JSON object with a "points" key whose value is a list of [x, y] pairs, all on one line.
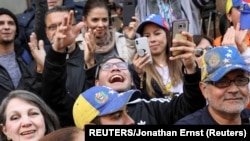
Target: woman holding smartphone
{"points": [[164, 76]]}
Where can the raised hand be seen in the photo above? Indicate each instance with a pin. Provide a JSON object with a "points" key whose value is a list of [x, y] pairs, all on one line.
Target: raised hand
{"points": [[188, 48], [130, 30], [37, 51], [66, 33], [90, 48], [235, 37], [240, 37]]}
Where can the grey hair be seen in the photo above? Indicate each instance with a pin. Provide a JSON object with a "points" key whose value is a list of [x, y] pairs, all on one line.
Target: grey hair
{"points": [[50, 117]]}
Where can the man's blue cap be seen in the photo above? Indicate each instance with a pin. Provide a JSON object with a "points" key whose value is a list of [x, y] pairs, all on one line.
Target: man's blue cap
{"points": [[99, 101], [221, 60]]}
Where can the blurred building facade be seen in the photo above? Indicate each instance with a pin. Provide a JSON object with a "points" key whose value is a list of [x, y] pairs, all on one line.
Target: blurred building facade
{"points": [[18, 6]]}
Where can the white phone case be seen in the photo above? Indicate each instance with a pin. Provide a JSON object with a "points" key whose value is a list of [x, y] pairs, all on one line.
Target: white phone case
{"points": [[142, 46]]}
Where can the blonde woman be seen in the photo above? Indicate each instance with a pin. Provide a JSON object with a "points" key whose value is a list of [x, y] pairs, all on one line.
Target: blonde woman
{"points": [[163, 77]]}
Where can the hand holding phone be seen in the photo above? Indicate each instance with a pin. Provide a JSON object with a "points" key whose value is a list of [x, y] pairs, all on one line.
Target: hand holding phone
{"points": [[177, 27], [142, 47]]}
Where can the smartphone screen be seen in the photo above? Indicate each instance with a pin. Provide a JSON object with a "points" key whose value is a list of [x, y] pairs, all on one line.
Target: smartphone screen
{"points": [[177, 27], [128, 11]]}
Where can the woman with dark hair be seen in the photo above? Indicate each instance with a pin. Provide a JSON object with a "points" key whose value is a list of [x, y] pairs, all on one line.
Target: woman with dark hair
{"points": [[234, 15], [203, 43], [101, 38], [24, 115], [224, 24]]}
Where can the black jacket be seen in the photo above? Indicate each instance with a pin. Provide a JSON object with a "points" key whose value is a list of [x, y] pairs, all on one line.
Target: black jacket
{"points": [[161, 110], [203, 117], [155, 111], [29, 79], [63, 81]]}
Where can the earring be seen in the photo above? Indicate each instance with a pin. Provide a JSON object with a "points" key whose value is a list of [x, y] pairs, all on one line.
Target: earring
{"points": [[9, 138]]}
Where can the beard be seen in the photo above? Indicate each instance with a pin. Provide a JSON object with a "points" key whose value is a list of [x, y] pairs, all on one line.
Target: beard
{"points": [[6, 41]]}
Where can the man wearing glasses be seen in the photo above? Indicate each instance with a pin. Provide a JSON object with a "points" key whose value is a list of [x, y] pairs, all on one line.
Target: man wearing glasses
{"points": [[225, 87], [114, 73]]}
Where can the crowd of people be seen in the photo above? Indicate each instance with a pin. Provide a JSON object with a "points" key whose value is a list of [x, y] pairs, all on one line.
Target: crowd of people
{"points": [[86, 70]]}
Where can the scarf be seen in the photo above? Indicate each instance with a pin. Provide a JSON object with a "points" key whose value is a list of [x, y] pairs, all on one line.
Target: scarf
{"points": [[106, 42]]}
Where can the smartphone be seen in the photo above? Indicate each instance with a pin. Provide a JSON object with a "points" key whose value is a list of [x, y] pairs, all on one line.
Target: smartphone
{"points": [[128, 11], [177, 27], [142, 47]]}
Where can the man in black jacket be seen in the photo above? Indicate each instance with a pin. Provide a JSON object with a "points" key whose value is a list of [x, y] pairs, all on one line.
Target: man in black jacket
{"points": [[73, 59], [26, 20], [16, 72], [114, 73]]}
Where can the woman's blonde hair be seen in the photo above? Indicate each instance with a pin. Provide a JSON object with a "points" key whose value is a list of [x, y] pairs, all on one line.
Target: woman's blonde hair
{"points": [[175, 72]]}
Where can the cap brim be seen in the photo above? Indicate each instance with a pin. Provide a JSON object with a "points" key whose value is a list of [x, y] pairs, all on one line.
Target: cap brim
{"points": [[118, 103], [217, 75], [141, 26]]}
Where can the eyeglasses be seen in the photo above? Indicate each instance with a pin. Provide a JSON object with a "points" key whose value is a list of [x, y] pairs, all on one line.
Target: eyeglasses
{"points": [[119, 65], [53, 27], [225, 82], [199, 51]]}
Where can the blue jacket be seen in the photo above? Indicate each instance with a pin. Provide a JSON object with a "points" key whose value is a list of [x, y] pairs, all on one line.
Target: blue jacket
{"points": [[203, 117]]}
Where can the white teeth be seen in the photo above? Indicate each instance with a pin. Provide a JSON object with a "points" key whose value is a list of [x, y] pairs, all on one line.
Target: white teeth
{"points": [[28, 132]]}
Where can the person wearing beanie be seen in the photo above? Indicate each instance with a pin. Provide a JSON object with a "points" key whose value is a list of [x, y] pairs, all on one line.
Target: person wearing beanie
{"points": [[14, 70], [13, 16]]}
